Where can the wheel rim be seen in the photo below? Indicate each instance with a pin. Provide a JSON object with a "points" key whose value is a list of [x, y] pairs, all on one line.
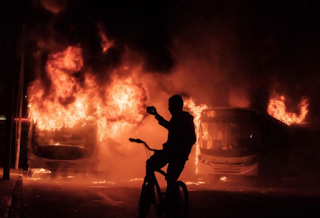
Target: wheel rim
{"points": [[177, 205], [149, 203]]}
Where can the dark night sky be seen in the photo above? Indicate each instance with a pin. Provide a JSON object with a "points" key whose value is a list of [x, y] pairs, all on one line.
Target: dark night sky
{"points": [[260, 46]]}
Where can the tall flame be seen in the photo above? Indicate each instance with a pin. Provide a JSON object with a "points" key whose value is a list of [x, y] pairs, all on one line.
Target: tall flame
{"points": [[70, 100], [64, 102], [277, 109], [125, 107], [196, 111]]}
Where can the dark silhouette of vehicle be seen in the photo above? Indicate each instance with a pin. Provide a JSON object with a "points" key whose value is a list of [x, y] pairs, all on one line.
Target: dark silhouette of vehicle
{"points": [[67, 150]]}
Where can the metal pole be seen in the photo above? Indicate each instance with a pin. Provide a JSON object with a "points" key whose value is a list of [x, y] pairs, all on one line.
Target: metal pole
{"points": [[9, 125], [20, 99], [8, 38]]}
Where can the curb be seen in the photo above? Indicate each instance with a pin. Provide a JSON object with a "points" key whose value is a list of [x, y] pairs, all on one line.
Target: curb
{"points": [[16, 204]]}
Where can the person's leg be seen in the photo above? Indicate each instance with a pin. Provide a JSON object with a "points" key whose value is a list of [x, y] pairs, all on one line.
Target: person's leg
{"points": [[155, 162], [172, 197], [174, 170]]}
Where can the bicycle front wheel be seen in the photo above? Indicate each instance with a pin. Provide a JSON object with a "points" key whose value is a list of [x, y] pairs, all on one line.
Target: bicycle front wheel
{"points": [[177, 201], [150, 199]]}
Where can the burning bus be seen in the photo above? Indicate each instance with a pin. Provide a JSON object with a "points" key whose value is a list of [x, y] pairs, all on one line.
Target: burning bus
{"points": [[76, 112], [229, 141], [240, 141], [66, 150]]}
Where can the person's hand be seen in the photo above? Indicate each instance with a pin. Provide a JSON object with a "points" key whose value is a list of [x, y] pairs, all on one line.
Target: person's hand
{"points": [[164, 145], [152, 110]]}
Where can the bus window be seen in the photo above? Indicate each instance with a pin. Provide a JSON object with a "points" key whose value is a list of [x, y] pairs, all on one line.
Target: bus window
{"points": [[214, 136], [229, 141], [229, 132], [66, 143], [245, 136]]}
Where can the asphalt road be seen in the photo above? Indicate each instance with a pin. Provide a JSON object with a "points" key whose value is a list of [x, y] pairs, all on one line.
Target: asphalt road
{"points": [[83, 198]]}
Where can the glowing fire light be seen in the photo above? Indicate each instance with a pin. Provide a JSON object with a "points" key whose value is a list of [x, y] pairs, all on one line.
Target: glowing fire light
{"points": [[195, 183], [70, 100], [105, 43], [125, 107], [196, 111], [223, 178], [277, 109], [59, 107]]}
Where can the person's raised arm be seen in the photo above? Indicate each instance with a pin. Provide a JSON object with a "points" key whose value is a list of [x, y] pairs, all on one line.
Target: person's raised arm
{"points": [[163, 122]]}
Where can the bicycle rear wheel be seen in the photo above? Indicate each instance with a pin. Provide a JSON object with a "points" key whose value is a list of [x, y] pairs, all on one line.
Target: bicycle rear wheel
{"points": [[150, 196], [183, 199], [177, 201]]}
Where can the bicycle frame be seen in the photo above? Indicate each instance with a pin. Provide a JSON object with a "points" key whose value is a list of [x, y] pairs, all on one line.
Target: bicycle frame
{"points": [[174, 204]]}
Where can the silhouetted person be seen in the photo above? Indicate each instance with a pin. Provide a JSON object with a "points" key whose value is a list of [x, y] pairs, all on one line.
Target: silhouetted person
{"points": [[181, 138]]}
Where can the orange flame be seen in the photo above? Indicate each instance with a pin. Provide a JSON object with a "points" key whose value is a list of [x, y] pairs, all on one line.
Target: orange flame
{"points": [[277, 109], [196, 111], [69, 100], [59, 106], [105, 42], [125, 108]]}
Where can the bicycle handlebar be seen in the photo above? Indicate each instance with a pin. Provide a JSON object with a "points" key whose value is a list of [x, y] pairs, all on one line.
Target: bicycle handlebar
{"points": [[142, 142], [136, 140]]}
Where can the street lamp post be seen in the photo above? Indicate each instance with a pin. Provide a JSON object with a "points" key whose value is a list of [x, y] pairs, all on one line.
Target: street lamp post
{"points": [[20, 101], [10, 28]]}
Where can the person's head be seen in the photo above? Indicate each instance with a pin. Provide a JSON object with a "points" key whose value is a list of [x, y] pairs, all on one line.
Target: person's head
{"points": [[175, 104]]}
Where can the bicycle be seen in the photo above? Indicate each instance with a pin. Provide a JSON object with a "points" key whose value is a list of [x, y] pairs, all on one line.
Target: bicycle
{"points": [[174, 202]]}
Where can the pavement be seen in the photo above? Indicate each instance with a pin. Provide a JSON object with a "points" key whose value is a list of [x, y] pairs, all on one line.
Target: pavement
{"points": [[11, 192]]}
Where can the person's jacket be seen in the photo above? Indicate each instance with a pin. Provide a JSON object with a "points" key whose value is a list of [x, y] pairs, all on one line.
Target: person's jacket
{"points": [[181, 136]]}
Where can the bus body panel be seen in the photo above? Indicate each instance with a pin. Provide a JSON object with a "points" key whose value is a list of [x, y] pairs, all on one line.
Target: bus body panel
{"points": [[68, 150]]}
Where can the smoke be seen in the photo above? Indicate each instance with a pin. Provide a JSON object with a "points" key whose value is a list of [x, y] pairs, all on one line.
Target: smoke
{"points": [[135, 26], [241, 53], [220, 53]]}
